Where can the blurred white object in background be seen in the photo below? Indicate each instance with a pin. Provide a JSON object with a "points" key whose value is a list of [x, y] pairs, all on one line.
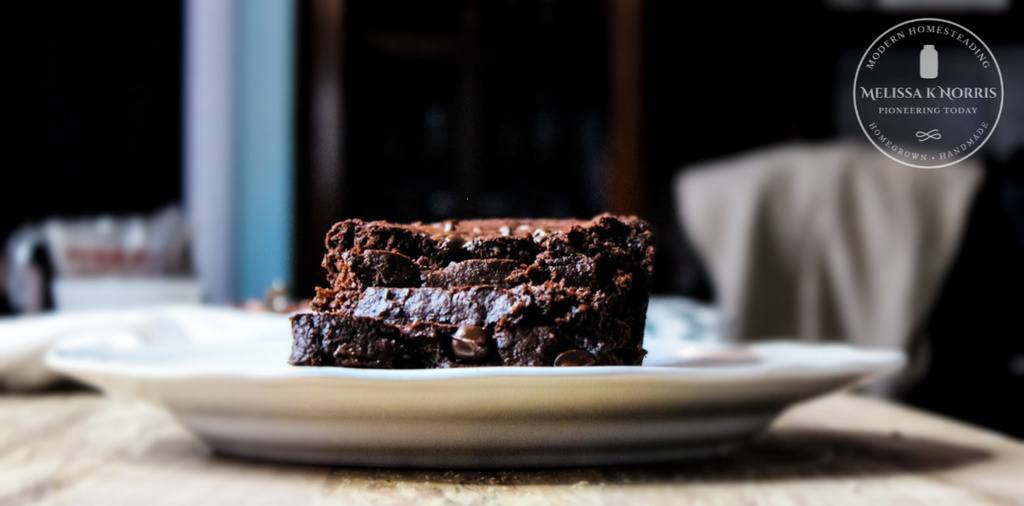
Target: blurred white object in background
{"points": [[679, 330], [24, 340], [74, 294], [101, 261], [24, 282], [674, 318], [129, 246]]}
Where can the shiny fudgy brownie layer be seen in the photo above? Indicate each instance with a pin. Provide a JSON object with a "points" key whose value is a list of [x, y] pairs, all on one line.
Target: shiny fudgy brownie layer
{"points": [[352, 341], [487, 306]]}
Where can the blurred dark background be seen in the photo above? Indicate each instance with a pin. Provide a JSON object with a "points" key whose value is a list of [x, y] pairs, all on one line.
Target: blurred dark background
{"points": [[465, 108], [96, 100]]}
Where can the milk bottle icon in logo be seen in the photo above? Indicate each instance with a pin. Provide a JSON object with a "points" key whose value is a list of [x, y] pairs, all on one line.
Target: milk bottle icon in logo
{"points": [[929, 62]]}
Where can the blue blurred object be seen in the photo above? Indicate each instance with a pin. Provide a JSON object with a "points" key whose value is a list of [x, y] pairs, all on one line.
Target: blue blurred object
{"points": [[673, 318]]}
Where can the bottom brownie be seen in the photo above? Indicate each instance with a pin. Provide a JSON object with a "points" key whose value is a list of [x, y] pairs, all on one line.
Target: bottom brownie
{"points": [[331, 339]]}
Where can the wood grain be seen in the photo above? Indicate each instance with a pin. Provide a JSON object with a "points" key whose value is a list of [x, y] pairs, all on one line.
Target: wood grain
{"points": [[79, 448]]}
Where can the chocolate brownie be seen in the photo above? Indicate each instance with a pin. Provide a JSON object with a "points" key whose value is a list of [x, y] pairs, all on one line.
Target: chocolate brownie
{"points": [[376, 268], [486, 306], [486, 271], [609, 343], [342, 340], [599, 253], [480, 292]]}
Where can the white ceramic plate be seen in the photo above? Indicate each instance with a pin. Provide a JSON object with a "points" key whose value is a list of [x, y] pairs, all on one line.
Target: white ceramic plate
{"points": [[241, 397]]}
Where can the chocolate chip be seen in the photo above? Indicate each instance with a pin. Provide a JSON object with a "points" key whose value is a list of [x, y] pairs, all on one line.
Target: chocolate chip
{"points": [[451, 242], [574, 358], [470, 342]]}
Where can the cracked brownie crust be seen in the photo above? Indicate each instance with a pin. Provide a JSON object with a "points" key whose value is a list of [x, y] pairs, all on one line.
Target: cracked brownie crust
{"points": [[480, 292]]}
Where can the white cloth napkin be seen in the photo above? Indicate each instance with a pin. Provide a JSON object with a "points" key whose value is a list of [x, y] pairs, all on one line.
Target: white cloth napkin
{"points": [[24, 340]]}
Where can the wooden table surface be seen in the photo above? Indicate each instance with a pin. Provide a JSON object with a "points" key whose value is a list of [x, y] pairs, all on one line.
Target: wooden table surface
{"points": [[80, 448]]}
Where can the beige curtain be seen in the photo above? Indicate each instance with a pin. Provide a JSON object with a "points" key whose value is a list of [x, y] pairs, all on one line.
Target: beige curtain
{"points": [[826, 241]]}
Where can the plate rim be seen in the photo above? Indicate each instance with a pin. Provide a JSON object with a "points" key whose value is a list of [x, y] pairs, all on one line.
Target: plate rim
{"points": [[863, 362]]}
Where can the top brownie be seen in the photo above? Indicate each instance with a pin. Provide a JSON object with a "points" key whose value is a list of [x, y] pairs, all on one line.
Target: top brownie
{"points": [[511, 292], [606, 252]]}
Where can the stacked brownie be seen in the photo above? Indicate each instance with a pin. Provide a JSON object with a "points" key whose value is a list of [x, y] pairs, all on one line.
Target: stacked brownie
{"points": [[533, 292]]}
